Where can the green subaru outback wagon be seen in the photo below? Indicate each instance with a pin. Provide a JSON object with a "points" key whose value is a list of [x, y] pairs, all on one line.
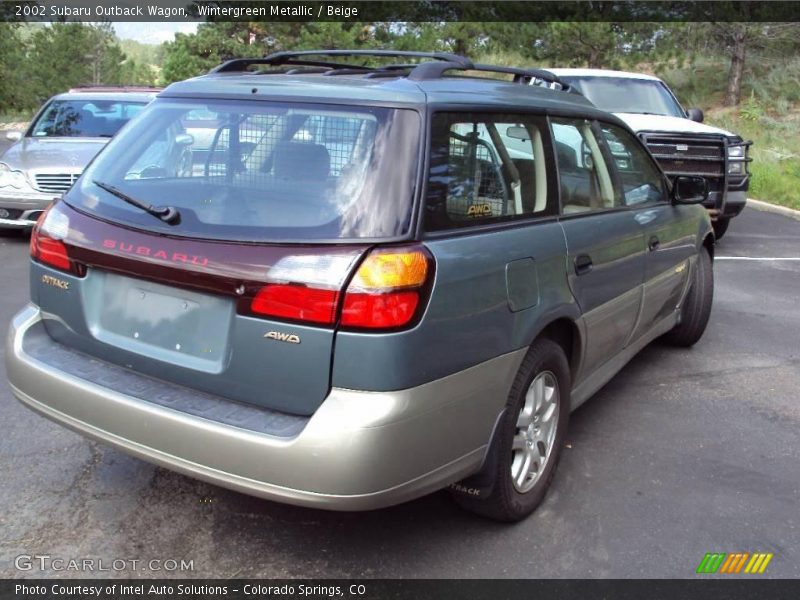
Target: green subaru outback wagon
{"points": [[346, 279]]}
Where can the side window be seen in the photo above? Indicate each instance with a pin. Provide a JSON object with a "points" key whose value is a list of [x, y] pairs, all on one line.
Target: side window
{"points": [[639, 179], [585, 178], [486, 168]]}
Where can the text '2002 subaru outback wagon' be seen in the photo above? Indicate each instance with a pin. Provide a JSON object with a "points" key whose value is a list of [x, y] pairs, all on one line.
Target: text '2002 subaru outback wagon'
{"points": [[345, 286]]}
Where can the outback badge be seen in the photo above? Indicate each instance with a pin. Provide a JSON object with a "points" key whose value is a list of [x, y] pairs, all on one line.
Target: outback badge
{"points": [[283, 337], [55, 282]]}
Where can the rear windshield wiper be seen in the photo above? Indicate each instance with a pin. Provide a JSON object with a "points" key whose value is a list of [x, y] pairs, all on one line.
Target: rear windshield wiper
{"points": [[168, 214]]}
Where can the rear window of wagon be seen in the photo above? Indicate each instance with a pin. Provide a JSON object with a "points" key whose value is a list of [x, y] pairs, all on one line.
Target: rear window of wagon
{"points": [[261, 171]]}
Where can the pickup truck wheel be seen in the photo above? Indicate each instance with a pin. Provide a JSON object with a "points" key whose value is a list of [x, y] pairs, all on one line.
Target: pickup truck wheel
{"points": [[527, 442], [696, 307], [720, 227]]}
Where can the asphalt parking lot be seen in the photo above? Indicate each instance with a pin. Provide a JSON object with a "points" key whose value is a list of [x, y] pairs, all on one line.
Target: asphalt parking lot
{"points": [[683, 453]]}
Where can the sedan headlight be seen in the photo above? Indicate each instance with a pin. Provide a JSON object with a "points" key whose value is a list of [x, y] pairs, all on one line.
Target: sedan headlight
{"points": [[11, 178]]}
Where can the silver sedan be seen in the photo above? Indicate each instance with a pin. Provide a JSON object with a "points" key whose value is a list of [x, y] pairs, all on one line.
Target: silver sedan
{"points": [[67, 133]]}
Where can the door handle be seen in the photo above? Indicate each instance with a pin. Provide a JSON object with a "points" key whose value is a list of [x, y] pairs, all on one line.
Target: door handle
{"points": [[654, 243], [583, 264]]}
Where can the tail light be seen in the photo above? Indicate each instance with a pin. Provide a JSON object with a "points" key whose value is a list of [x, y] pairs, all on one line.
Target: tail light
{"points": [[305, 288], [296, 302], [47, 246], [386, 291]]}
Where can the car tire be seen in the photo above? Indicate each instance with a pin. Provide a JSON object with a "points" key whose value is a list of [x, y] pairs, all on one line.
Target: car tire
{"points": [[696, 307], [530, 432], [720, 227]]}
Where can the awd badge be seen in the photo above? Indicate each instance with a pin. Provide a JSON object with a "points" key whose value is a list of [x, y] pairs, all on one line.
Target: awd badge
{"points": [[283, 337]]}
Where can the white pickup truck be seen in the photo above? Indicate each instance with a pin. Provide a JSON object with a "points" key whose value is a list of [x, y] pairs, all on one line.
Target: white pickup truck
{"points": [[677, 138]]}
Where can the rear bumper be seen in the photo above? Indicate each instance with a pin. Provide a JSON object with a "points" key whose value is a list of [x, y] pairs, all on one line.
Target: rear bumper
{"points": [[359, 451]]}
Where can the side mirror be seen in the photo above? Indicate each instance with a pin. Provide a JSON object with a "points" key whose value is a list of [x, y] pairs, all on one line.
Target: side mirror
{"points": [[695, 114], [688, 189], [14, 136]]}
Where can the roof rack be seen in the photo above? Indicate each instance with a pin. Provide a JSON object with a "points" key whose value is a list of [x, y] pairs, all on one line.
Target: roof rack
{"points": [[301, 58], [438, 64]]}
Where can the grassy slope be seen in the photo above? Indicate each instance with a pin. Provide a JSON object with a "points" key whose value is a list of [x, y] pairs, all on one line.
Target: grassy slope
{"points": [[769, 115], [776, 153]]}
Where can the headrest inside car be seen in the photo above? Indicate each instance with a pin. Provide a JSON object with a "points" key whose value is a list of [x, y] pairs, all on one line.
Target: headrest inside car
{"points": [[303, 160]]}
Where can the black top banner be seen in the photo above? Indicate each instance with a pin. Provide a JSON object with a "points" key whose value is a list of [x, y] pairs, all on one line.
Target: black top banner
{"points": [[398, 11]]}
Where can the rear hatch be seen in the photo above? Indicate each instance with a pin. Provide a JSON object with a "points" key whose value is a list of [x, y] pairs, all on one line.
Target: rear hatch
{"points": [[240, 289]]}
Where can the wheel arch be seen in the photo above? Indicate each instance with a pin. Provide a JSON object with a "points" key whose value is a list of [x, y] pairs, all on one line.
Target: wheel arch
{"points": [[709, 244], [565, 332]]}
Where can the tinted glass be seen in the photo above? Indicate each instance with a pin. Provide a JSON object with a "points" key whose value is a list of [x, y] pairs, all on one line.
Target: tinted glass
{"points": [[627, 95], [486, 168], [84, 118], [638, 177], [585, 178], [262, 171]]}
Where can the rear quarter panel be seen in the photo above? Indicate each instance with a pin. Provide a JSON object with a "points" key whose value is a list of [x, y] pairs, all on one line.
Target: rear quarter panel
{"points": [[469, 318]]}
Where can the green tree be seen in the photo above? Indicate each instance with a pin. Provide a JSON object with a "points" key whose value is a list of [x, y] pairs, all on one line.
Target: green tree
{"points": [[16, 91], [737, 40], [335, 35], [601, 44], [71, 54], [192, 54]]}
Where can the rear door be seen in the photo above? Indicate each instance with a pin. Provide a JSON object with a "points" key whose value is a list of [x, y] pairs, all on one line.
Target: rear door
{"points": [[670, 230], [605, 242]]}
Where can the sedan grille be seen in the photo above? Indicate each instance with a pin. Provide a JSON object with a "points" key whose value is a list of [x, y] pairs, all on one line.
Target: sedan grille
{"points": [[55, 182], [688, 154]]}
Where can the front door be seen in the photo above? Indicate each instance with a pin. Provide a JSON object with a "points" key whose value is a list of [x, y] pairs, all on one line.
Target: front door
{"points": [[670, 231], [605, 242]]}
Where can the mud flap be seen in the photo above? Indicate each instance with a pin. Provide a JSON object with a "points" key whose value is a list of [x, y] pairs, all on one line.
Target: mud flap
{"points": [[481, 484]]}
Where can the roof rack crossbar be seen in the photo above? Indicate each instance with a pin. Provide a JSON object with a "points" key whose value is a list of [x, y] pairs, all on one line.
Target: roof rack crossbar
{"points": [[349, 71], [387, 73], [242, 64], [301, 70], [397, 70], [282, 57]]}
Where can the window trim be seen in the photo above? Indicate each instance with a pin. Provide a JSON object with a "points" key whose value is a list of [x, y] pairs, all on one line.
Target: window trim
{"points": [[485, 227]]}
